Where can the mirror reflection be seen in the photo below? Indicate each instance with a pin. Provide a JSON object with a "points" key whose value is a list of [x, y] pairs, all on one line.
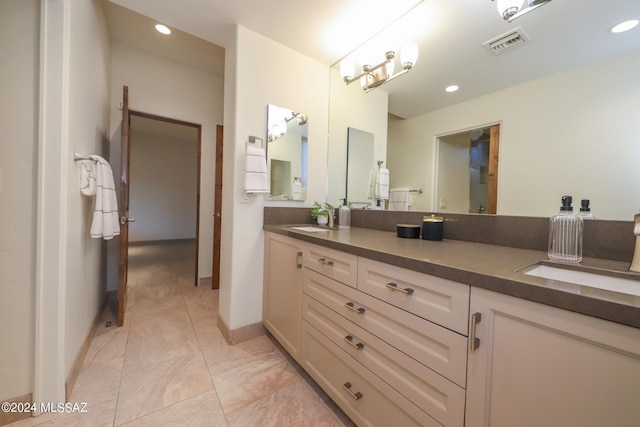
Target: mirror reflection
{"points": [[573, 132], [360, 164], [287, 143], [351, 108], [467, 171]]}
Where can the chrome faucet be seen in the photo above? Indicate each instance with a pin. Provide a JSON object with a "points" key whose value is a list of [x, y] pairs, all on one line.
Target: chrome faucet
{"points": [[635, 263], [331, 214]]}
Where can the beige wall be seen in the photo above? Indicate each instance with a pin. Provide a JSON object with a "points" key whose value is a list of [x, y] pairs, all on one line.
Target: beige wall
{"points": [[69, 271], [169, 89], [18, 142], [162, 187], [288, 79], [575, 132]]}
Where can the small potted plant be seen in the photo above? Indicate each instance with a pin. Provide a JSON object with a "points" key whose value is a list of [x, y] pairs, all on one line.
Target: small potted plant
{"points": [[321, 212]]}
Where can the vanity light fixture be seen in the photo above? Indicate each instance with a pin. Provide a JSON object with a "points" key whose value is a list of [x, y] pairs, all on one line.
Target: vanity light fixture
{"points": [[373, 76], [512, 9], [302, 118], [163, 29], [277, 131]]}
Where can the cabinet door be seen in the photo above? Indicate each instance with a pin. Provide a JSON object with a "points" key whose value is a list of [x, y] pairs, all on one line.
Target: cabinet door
{"points": [[541, 366], [282, 295]]}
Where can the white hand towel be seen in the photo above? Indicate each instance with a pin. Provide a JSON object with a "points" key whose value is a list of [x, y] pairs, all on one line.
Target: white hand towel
{"points": [[105, 222], [255, 171], [399, 199], [88, 178], [382, 184]]}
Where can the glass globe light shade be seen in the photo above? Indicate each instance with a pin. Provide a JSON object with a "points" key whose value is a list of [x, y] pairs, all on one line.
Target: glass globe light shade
{"points": [[508, 8], [409, 55], [346, 68]]}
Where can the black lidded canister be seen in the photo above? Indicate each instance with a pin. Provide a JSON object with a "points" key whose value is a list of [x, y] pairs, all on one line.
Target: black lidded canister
{"points": [[432, 227]]}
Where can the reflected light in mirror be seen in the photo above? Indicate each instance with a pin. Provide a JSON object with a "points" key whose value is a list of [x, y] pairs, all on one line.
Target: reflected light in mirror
{"points": [[163, 29], [625, 26], [361, 20], [409, 55]]}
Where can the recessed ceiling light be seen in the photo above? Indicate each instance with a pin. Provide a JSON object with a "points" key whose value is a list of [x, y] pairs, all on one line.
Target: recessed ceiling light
{"points": [[163, 29], [451, 88], [624, 26]]}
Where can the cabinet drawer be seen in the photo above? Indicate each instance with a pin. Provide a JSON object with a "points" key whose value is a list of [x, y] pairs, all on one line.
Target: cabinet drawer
{"points": [[441, 301], [429, 391], [338, 265], [365, 398], [437, 348]]}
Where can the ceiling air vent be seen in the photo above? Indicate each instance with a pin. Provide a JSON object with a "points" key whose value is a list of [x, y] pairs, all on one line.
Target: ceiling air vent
{"points": [[507, 41]]}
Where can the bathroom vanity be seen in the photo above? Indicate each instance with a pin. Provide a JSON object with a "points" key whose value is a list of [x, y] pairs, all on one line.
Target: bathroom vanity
{"points": [[410, 332]]}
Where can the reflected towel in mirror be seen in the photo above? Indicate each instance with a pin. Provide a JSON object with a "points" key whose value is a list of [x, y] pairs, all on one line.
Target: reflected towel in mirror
{"points": [[399, 199], [255, 172], [382, 184]]}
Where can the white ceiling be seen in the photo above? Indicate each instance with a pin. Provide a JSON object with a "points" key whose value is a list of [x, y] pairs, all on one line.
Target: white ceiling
{"points": [[564, 34]]}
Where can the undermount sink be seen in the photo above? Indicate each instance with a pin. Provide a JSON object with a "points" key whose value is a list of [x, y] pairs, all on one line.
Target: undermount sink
{"points": [[310, 229], [591, 279]]}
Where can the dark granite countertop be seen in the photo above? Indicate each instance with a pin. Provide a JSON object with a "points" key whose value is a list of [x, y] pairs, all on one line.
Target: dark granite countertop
{"points": [[486, 266]]}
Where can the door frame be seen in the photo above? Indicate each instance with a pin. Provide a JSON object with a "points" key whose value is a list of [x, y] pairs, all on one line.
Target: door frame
{"points": [[492, 179], [199, 168], [217, 209]]}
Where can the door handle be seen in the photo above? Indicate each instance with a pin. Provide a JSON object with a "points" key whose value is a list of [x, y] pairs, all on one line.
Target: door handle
{"points": [[474, 342], [218, 215], [124, 220]]}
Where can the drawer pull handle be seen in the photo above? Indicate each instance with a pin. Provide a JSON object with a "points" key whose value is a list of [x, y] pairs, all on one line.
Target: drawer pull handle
{"points": [[357, 395], [474, 342], [298, 261], [357, 346], [394, 287], [325, 262], [351, 307]]}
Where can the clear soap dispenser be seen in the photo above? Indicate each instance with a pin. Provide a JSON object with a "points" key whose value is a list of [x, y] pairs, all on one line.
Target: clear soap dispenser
{"points": [[344, 216], [565, 234]]}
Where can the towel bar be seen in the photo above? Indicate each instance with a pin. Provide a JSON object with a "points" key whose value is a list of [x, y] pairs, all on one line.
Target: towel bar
{"points": [[77, 156]]}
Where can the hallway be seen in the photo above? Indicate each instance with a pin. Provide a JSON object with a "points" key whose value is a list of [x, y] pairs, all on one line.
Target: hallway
{"points": [[169, 364]]}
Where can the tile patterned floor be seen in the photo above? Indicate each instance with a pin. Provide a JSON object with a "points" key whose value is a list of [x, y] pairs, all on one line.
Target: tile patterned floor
{"points": [[169, 364]]}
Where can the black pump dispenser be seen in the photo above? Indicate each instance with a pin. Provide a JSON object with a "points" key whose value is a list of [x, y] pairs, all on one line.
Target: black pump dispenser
{"points": [[566, 203], [584, 206]]}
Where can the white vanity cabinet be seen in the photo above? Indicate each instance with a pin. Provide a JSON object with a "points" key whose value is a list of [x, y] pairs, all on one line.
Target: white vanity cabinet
{"points": [[537, 365], [380, 361], [282, 291]]}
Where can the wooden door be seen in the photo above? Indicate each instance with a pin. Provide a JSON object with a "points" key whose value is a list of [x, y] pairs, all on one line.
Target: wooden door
{"points": [[494, 146], [217, 209], [124, 207]]}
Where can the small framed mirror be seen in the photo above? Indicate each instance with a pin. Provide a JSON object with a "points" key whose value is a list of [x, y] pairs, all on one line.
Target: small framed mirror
{"points": [[287, 143]]}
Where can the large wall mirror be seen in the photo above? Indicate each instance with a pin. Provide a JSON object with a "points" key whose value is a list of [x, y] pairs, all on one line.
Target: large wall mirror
{"points": [[287, 143], [568, 112], [354, 115]]}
